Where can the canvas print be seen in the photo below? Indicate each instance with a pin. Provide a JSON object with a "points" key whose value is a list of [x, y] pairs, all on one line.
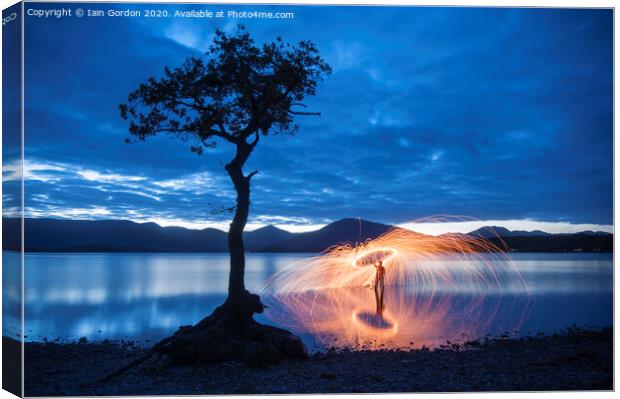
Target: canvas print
{"points": [[257, 199]]}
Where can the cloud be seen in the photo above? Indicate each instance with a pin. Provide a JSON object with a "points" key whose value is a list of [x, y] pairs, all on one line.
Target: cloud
{"points": [[197, 183], [46, 172], [344, 55], [96, 212], [93, 175], [143, 193], [480, 112], [189, 35]]}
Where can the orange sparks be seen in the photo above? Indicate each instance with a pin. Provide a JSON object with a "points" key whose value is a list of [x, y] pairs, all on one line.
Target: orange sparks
{"points": [[435, 289]]}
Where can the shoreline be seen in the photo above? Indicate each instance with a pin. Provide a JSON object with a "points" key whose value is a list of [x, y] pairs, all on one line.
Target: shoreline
{"points": [[311, 253], [575, 359]]}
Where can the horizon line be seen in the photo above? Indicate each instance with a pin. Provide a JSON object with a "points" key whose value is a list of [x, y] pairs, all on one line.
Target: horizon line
{"points": [[430, 226]]}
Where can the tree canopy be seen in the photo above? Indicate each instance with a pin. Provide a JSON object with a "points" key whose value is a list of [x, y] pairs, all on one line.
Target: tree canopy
{"points": [[239, 92]]}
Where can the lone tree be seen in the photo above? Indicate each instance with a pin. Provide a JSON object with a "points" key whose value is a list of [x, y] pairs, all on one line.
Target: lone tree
{"points": [[238, 93]]}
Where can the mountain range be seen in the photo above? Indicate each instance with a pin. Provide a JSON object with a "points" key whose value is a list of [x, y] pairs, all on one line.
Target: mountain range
{"points": [[62, 235]]}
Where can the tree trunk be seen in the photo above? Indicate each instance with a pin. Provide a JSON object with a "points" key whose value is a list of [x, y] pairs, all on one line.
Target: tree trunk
{"points": [[240, 302], [235, 234], [230, 332]]}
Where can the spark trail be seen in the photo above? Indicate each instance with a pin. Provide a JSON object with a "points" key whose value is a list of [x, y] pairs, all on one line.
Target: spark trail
{"points": [[449, 287]]}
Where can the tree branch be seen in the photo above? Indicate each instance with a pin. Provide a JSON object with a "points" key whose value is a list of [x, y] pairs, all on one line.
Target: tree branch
{"points": [[223, 209], [168, 129], [251, 175], [256, 138], [195, 107], [224, 134], [304, 113]]}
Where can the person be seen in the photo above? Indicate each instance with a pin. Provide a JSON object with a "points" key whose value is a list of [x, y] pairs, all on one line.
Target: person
{"points": [[380, 274], [379, 285]]}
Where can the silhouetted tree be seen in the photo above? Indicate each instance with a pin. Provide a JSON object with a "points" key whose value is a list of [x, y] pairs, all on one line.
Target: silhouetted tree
{"points": [[238, 93]]}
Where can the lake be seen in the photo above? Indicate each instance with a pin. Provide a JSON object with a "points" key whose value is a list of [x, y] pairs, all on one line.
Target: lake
{"points": [[145, 297]]}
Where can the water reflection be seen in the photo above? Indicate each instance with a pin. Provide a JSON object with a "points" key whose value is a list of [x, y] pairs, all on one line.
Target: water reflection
{"points": [[348, 317], [11, 294], [147, 296]]}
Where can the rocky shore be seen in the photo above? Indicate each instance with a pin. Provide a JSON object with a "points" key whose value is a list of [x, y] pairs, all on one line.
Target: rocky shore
{"points": [[573, 360]]}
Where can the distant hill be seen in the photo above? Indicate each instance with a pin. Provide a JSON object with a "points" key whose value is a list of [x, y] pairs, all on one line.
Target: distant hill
{"points": [[60, 235], [494, 231], [260, 238], [540, 241], [342, 231], [577, 242]]}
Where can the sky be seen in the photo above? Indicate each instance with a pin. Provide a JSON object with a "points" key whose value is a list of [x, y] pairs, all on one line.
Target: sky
{"points": [[500, 116]]}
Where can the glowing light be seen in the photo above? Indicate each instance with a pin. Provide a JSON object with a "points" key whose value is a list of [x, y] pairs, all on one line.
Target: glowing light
{"points": [[436, 289], [382, 325], [368, 258]]}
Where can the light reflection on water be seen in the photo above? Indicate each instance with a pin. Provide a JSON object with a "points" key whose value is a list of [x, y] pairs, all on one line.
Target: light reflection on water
{"points": [[147, 296]]}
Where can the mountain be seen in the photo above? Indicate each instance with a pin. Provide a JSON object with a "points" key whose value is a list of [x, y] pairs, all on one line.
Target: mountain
{"points": [[341, 231], [60, 235], [577, 242], [540, 241], [490, 232], [594, 233], [533, 233], [257, 239], [494, 231]]}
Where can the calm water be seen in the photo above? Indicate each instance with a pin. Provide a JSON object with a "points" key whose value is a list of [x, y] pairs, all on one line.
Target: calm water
{"points": [[147, 296]]}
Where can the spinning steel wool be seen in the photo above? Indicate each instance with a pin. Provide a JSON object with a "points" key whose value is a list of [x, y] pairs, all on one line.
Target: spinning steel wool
{"points": [[436, 288]]}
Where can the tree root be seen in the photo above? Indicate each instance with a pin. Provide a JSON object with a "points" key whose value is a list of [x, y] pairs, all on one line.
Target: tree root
{"points": [[229, 334]]}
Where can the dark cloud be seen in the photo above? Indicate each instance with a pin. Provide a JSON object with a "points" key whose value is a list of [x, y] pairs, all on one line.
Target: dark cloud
{"points": [[490, 113]]}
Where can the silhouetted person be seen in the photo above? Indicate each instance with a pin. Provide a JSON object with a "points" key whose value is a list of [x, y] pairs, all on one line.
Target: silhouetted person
{"points": [[379, 286]]}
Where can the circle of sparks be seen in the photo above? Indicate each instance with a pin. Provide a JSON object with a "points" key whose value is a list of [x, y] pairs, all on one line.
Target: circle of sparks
{"points": [[436, 288], [368, 258]]}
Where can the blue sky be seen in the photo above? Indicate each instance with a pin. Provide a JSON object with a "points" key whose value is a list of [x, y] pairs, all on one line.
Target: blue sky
{"points": [[493, 114]]}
